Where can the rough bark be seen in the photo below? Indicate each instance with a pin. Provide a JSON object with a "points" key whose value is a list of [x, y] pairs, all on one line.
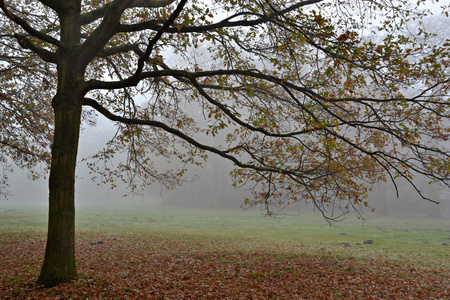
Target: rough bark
{"points": [[59, 261]]}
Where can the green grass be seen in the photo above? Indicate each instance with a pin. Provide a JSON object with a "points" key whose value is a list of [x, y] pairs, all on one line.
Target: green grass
{"points": [[402, 238]]}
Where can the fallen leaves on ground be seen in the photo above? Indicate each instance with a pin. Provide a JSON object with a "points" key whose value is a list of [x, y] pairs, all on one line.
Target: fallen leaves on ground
{"points": [[132, 267]]}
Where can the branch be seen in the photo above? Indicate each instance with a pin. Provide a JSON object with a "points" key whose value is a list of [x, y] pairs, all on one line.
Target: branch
{"points": [[119, 49], [100, 12], [102, 34], [56, 5], [97, 84], [226, 23], [152, 42], [190, 76], [223, 153], [25, 151], [22, 23], [46, 55], [230, 114]]}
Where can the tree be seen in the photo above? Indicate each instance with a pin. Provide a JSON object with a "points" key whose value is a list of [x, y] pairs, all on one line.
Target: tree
{"points": [[313, 107]]}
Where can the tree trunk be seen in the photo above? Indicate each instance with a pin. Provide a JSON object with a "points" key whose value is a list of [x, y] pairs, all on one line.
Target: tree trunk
{"points": [[59, 262]]}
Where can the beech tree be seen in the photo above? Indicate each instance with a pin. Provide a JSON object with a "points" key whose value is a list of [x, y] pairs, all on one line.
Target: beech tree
{"points": [[311, 100]]}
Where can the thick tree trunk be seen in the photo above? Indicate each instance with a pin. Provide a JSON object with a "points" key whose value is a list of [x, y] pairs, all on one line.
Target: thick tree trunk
{"points": [[59, 261]]}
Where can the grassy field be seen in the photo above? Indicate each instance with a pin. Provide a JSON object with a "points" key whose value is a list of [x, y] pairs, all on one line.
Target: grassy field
{"points": [[243, 254]]}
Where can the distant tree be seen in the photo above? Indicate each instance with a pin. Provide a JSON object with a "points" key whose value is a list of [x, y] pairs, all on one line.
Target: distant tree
{"points": [[312, 104]]}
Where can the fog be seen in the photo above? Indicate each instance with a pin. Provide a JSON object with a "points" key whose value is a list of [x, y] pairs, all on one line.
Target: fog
{"points": [[212, 187]]}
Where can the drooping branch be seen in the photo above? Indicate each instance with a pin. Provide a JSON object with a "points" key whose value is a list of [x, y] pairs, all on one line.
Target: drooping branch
{"points": [[223, 153], [238, 121]]}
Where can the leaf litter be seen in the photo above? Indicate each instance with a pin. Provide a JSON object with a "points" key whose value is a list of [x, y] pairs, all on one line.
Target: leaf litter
{"points": [[132, 267]]}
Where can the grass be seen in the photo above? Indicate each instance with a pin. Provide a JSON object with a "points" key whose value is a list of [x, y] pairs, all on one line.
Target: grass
{"points": [[397, 235], [162, 252]]}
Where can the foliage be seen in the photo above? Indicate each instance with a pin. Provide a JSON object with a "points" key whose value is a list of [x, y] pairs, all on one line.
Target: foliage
{"points": [[311, 100], [310, 96], [26, 114]]}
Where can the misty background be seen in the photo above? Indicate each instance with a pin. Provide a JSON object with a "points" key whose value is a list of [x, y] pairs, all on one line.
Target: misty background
{"points": [[211, 185]]}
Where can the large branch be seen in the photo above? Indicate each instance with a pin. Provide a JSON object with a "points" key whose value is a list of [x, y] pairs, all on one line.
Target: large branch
{"points": [[30, 30], [223, 153], [120, 49], [101, 11], [103, 33], [98, 84], [155, 39], [46, 55], [226, 23]]}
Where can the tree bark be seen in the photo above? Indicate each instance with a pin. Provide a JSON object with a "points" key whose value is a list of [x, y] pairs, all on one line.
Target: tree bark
{"points": [[59, 261]]}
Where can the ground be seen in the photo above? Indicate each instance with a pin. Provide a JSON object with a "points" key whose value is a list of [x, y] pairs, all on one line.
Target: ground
{"points": [[198, 255]]}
